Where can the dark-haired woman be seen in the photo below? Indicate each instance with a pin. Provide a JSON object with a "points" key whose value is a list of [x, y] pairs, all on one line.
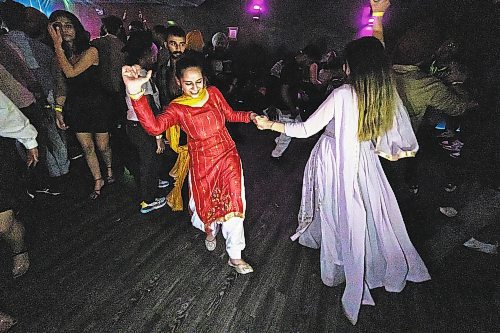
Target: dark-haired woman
{"points": [[348, 208], [86, 108], [215, 174]]}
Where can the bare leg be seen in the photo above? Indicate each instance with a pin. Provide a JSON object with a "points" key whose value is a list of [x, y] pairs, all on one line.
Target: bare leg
{"points": [[102, 141], [87, 143], [13, 232]]}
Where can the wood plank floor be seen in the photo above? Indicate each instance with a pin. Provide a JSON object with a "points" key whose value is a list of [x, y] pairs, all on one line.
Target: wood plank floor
{"points": [[104, 267]]}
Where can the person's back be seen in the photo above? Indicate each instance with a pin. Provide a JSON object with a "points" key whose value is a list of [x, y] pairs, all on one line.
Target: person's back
{"points": [[348, 209], [420, 91], [111, 60]]}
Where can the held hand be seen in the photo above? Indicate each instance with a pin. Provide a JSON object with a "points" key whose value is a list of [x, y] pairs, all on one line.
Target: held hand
{"points": [[263, 122], [32, 157], [55, 34], [379, 5], [60, 121], [253, 116], [132, 79], [160, 146]]}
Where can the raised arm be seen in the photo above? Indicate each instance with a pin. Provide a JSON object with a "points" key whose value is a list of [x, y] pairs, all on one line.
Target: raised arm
{"points": [[89, 57], [379, 7], [151, 124]]}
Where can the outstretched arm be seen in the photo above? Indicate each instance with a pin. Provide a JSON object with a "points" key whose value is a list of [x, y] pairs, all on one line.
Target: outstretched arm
{"points": [[315, 123], [229, 113]]}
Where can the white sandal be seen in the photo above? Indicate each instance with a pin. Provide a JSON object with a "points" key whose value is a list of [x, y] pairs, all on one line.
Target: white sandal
{"points": [[211, 245], [243, 268]]}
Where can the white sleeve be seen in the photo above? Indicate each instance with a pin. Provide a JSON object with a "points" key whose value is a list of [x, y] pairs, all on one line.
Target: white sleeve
{"points": [[13, 124], [316, 122]]}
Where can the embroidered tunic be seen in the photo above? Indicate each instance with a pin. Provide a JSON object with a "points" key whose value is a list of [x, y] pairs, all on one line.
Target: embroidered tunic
{"points": [[214, 165]]}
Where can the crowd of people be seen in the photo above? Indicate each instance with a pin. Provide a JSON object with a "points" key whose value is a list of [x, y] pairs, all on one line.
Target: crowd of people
{"points": [[156, 102]]}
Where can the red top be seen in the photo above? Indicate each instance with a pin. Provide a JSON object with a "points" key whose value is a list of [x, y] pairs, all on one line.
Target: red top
{"points": [[214, 165]]}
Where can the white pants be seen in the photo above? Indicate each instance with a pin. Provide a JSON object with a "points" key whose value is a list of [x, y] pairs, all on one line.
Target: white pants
{"points": [[232, 229]]}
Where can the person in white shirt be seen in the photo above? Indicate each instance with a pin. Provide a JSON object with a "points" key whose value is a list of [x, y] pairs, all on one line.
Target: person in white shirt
{"points": [[13, 126]]}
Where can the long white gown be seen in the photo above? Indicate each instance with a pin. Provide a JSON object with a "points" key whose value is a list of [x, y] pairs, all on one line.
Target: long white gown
{"points": [[348, 208]]}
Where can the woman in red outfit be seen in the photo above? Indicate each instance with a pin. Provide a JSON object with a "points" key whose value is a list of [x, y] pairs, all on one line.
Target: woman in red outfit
{"points": [[217, 191]]}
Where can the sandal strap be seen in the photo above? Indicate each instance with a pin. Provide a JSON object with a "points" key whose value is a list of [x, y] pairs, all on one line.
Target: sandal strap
{"points": [[19, 253]]}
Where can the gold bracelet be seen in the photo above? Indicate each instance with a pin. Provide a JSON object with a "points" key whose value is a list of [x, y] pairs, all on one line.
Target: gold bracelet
{"points": [[378, 14], [136, 96]]}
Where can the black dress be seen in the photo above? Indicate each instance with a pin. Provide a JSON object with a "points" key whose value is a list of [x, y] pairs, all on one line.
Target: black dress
{"points": [[87, 107]]}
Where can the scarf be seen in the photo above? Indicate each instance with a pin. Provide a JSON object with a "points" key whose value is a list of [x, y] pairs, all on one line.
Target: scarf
{"points": [[190, 101]]}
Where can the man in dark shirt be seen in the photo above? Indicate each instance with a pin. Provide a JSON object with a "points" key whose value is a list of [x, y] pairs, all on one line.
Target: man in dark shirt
{"points": [[175, 43]]}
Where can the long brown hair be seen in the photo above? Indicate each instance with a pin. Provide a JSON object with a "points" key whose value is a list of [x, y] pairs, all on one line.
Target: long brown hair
{"points": [[370, 75]]}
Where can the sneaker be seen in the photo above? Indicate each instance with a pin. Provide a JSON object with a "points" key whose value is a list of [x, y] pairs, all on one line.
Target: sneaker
{"points": [[157, 204], [163, 183]]}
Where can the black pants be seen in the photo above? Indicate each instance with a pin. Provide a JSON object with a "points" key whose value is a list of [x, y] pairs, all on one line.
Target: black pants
{"points": [[38, 177], [149, 161], [124, 152], [8, 175]]}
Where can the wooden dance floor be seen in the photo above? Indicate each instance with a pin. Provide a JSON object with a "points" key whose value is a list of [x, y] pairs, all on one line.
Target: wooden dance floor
{"points": [[104, 267]]}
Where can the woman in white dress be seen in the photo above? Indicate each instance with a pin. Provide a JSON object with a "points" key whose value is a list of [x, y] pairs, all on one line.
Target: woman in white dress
{"points": [[348, 208]]}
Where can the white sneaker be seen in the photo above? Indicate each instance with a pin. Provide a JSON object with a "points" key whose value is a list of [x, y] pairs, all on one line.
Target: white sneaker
{"points": [[157, 204]]}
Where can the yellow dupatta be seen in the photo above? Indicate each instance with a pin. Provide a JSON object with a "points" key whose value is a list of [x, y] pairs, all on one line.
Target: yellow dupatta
{"points": [[181, 167]]}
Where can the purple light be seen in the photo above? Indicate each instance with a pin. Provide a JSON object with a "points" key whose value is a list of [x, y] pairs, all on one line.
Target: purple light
{"points": [[364, 16], [256, 7]]}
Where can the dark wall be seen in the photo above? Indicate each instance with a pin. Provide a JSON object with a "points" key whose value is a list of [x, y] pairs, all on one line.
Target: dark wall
{"points": [[292, 23]]}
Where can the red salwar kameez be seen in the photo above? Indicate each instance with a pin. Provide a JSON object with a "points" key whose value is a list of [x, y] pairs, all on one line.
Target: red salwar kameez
{"points": [[214, 165]]}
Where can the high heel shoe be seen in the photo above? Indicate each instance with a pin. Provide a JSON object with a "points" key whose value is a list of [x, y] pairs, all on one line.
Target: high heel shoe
{"points": [[6, 322], [21, 263], [97, 192]]}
